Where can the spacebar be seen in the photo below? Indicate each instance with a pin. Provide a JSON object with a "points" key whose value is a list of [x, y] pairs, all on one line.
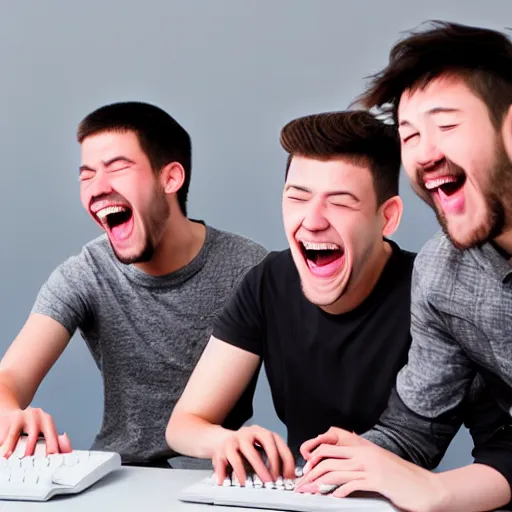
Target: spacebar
{"points": [[278, 500], [295, 502]]}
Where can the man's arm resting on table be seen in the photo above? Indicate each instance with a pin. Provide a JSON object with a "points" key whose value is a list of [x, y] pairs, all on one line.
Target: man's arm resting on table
{"points": [[490, 477], [484, 485], [474, 488], [217, 382]]}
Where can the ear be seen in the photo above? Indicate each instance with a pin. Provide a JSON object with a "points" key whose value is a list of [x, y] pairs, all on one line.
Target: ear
{"points": [[172, 177], [391, 214], [506, 132]]}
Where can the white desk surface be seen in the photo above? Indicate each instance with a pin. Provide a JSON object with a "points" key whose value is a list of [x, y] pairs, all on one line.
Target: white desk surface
{"points": [[127, 489]]}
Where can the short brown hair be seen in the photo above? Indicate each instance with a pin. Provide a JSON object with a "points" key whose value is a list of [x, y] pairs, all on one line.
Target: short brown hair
{"points": [[481, 57], [160, 136], [353, 135]]}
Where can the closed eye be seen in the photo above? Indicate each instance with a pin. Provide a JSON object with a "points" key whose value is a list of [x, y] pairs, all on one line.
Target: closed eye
{"points": [[407, 138], [116, 169], [86, 175], [447, 127], [299, 199]]}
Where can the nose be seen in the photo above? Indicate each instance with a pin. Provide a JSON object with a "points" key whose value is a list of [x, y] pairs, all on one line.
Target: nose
{"points": [[429, 153], [100, 185], [315, 219]]}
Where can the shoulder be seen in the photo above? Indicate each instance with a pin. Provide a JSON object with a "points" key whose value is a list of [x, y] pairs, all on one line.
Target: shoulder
{"points": [[436, 263], [230, 256], [399, 269], [437, 248], [95, 255], [237, 247], [77, 276], [403, 257], [275, 271]]}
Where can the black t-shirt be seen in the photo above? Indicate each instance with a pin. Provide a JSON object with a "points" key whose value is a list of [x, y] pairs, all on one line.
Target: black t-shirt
{"points": [[324, 370]]}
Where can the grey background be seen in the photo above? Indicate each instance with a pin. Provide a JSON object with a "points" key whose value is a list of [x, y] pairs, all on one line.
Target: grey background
{"points": [[232, 72]]}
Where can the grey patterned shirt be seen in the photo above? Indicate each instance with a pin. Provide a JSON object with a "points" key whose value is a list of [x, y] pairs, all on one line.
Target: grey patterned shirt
{"points": [[460, 361]]}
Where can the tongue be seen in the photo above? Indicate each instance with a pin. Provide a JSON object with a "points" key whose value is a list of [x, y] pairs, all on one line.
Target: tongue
{"points": [[326, 265], [452, 202], [324, 258], [122, 231]]}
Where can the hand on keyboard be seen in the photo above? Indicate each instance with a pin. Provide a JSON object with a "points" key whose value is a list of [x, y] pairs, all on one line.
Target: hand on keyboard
{"points": [[246, 450], [334, 436], [273, 496], [33, 422], [252, 480], [354, 464]]}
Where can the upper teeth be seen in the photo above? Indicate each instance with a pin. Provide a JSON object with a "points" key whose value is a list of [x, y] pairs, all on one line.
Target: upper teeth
{"points": [[108, 210], [320, 246], [431, 184]]}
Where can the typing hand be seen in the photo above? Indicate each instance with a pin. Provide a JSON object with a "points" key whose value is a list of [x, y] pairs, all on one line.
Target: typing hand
{"points": [[240, 449], [33, 422], [335, 436], [356, 464]]}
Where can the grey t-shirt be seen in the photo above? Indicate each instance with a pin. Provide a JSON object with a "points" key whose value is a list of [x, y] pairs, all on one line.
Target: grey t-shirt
{"points": [[146, 333]]}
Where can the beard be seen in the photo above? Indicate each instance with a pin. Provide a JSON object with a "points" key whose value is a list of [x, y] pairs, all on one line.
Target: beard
{"points": [[497, 198], [154, 225]]}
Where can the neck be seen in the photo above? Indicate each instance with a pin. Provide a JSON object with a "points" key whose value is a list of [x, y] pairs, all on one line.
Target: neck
{"points": [[359, 289], [504, 242], [179, 245]]}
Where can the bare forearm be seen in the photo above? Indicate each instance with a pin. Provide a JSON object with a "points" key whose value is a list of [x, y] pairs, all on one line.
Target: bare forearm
{"points": [[9, 399], [191, 435], [474, 488]]}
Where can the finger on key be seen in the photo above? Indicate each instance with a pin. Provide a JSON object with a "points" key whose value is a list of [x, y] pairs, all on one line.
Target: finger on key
{"points": [[50, 434], [268, 444], [220, 467], [254, 459], [32, 430], [286, 456], [12, 439], [236, 462]]}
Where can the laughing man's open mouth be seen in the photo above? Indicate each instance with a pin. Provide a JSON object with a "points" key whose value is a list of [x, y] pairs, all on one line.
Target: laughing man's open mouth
{"points": [[118, 220], [446, 186], [322, 258]]}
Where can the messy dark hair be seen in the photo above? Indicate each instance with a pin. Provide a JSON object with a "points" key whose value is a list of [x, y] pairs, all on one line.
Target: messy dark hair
{"points": [[481, 57]]}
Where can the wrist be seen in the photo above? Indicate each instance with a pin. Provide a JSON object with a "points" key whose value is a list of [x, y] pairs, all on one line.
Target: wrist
{"points": [[9, 408], [217, 438]]}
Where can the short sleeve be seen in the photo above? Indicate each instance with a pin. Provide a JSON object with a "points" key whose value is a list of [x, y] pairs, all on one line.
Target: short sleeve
{"points": [[241, 323], [64, 296]]}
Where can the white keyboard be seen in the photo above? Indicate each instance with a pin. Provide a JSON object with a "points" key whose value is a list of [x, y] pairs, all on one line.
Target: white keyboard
{"points": [[275, 496], [39, 477]]}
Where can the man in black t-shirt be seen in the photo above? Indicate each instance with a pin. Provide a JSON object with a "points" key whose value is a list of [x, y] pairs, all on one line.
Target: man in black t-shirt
{"points": [[329, 317]]}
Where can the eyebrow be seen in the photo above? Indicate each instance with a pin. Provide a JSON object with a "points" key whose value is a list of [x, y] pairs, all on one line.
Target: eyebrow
{"points": [[108, 163], [329, 194], [434, 111]]}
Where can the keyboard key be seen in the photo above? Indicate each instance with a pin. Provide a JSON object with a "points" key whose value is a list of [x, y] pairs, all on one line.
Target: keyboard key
{"points": [[40, 478]]}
